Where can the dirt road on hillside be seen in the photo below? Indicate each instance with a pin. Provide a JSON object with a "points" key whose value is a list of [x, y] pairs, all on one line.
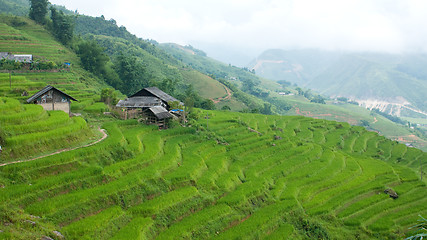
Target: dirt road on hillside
{"points": [[217, 100]]}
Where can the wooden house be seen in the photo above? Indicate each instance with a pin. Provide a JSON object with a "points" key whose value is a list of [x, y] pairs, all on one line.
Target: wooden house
{"points": [[155, 92], [51, 98], [157, 115], [150, 105], [24, 58]]}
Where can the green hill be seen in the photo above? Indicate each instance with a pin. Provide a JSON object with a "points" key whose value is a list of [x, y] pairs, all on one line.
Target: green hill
{"points": [[394, 79], [225, 175], [159, 63], [228, 176], [15, 7]]}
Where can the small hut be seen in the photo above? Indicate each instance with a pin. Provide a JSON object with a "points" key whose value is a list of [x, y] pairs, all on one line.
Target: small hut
{"points": [[134, 106], [157, 115], [150, 105], [24, 58], [51, 98]]}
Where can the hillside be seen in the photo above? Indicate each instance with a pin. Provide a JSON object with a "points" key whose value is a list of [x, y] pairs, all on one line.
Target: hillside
{"points": [[158, 67], [28, 131], [182, 59], [224, 175], [390, 82], [159, 64], [232, 175]]}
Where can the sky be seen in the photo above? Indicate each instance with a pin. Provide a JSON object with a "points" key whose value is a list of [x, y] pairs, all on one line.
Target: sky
{"points": [[256, 25]]}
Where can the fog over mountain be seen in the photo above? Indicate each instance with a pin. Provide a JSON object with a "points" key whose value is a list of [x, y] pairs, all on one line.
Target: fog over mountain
{"points": [[356, 25]]}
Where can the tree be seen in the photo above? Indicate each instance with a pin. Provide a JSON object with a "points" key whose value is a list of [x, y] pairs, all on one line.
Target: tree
{"points": [[109, 96], [62, 26], [364, 123], [307, 94], [132, 73], [300, 91], [267, 109], [226, 108], [248, 85], [38, 10], [207, 104], [168, 85], [92, 56], [318, 99]]}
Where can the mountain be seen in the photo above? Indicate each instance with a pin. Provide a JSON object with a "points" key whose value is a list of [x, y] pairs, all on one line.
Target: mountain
{"points": [[15, 7], [227, 54], [395, 83]]}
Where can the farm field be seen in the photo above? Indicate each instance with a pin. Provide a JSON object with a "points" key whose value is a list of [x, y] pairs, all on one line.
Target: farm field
{"points": [[354, 115], [230, 176]]}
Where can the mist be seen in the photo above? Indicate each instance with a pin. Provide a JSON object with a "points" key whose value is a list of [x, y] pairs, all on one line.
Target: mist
{"points": [[249, 27]]}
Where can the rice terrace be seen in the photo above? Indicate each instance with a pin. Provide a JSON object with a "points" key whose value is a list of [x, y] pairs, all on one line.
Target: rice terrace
{"points": [[227, 176], [104, 152]]}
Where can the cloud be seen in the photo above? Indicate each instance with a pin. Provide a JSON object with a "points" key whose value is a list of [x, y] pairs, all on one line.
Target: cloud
{"points": [[373, 25]]}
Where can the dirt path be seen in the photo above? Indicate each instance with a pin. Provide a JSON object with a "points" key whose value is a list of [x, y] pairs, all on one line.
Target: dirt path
{"points": [[104, 136], [375, 120], [223, 98]]}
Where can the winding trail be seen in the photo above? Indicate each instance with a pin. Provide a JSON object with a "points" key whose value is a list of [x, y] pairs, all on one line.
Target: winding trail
{"points": [[104, 136], [217, 100], [375, 120]]}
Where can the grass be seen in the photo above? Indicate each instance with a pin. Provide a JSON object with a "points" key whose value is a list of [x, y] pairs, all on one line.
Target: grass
{"points": [[246, 176], [184, 183]]}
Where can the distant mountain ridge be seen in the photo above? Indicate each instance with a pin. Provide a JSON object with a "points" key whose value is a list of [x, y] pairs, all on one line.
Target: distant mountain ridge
{"points": [[396, 79]]}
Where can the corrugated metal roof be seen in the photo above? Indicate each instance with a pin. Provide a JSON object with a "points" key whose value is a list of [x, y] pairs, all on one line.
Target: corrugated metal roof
{"points": [[160, 112], [158, 93], [45, 90], [139, 102], [4, 55]]}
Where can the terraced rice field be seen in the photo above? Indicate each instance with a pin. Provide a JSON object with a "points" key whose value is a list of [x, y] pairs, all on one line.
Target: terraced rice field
{"points": [[30, 38], [232, 176], [28, 130]]}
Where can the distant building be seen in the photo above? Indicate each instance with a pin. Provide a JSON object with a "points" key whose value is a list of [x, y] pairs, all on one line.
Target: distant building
{"points": [[24, 58], [51, 98], [149, 104], [140, 102], [4, 55]]}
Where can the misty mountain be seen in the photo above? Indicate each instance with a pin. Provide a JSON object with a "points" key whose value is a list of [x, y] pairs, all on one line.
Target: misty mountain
{"points": [[391, 82], [239, 57]]}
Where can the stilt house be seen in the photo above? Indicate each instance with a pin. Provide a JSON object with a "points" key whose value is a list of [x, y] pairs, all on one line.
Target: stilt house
{"points": [[51, 98], [149, 104]]}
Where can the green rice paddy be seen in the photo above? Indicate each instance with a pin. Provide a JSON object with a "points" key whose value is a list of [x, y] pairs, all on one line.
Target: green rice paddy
{"points": [[242, 176]]}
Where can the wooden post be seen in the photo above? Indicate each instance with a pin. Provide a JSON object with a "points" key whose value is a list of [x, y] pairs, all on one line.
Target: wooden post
{"points": [[53, 100], [183, 113], [207, 121]]}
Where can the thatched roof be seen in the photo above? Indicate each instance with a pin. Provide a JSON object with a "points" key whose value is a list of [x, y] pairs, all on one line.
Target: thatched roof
{"points": [[44, 91]]}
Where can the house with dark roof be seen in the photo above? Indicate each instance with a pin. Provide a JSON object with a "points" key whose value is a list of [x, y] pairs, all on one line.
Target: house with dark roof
{"points": [[24, 58], [51, 98], [149, 104], [140, 102], [155, 92], [157, 115]]}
